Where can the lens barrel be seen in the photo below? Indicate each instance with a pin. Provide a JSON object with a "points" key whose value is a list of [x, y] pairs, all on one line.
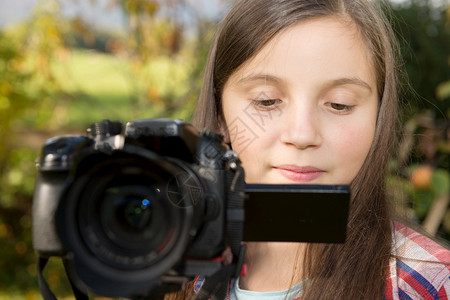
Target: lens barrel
{"points": [[128, 218]]}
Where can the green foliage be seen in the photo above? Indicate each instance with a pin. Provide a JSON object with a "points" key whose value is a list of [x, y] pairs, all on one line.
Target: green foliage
{"points": [[17, 259], [25, 83], [13, 96], [424, 34], [422, 195]]}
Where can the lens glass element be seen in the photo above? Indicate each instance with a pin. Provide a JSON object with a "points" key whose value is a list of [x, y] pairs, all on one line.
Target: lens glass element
{"points": [[125, 216], [133, 215]]}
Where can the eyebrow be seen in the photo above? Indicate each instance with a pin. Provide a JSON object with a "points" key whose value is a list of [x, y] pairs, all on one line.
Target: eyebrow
{"points": [[336, 82], [259, 77], [350, 80]]}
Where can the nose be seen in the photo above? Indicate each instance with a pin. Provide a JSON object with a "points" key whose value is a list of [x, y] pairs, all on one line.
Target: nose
{"points": [[301, 127]]}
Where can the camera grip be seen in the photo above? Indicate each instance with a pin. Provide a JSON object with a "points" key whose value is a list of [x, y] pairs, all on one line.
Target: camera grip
{"points": [[49, 187]]}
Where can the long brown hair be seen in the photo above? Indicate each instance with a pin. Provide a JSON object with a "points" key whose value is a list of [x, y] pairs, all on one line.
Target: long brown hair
{"points": [[358, 268]]}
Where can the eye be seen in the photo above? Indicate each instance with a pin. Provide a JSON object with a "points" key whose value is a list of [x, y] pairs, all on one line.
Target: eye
{"points": [[266, 103], [340, 108]]}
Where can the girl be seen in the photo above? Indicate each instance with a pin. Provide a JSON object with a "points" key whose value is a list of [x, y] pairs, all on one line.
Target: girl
{"points": [[305, 92]]}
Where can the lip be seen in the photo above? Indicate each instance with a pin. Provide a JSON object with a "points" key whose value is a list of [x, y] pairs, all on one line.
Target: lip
{"points": [[299, 174]]}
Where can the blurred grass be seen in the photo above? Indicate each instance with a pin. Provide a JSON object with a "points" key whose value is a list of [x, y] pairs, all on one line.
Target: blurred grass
{"points": [[94, 86], [98, 84]]}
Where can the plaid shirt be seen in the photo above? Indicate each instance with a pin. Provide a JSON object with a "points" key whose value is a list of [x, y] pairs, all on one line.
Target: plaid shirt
{"points": [[418, 269]]}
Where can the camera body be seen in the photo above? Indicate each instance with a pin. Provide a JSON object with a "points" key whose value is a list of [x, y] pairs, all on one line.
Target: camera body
{"points": [[139, 207]]}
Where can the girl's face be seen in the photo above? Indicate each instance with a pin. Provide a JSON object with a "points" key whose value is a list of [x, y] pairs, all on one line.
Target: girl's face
{"points": [[303, 110]]}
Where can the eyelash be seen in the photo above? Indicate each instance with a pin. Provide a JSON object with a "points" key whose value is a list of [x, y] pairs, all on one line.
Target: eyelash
{"points": [[266, 104], [341, 108]]}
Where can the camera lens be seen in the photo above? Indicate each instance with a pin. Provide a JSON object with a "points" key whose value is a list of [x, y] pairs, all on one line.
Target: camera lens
{"points": [[129, 216], [133, 213], [135, 217], [121, 212]]}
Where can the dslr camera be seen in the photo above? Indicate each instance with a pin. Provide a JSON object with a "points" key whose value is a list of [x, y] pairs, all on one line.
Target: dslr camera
{"points": [[138, 207]]}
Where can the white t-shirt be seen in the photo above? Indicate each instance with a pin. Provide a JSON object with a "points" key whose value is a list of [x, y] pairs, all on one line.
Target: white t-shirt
{"points": [[237, 293]]}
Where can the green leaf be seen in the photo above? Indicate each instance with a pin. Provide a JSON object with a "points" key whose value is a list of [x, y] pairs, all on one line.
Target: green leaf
{"points": [[443, 90], [440, 182], [422, 202]]}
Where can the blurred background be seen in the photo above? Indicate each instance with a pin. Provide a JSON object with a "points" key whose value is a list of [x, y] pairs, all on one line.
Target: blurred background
{"points": [[67, 63]]}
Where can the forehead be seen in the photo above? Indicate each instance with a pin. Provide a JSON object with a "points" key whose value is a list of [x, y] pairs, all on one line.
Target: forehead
{"points": [[325, 47]]}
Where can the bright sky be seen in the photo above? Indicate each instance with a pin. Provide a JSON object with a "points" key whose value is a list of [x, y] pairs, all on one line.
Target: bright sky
{"points": [[13, 11]]}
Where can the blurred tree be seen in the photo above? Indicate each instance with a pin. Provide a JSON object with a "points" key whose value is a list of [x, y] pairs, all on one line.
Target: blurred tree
{"points": [[14, 210], [13, 96], [423, 28], [26, 81]]}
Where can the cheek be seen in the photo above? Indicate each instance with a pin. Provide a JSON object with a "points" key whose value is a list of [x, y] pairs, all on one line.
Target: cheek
{"points": [[250, 142], [243, 130], [353, 148], [357, 140], [251, 153], [241, 135]]}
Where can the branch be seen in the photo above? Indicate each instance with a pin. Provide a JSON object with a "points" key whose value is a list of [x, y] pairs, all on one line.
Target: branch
{"points": [[436, 214]]}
